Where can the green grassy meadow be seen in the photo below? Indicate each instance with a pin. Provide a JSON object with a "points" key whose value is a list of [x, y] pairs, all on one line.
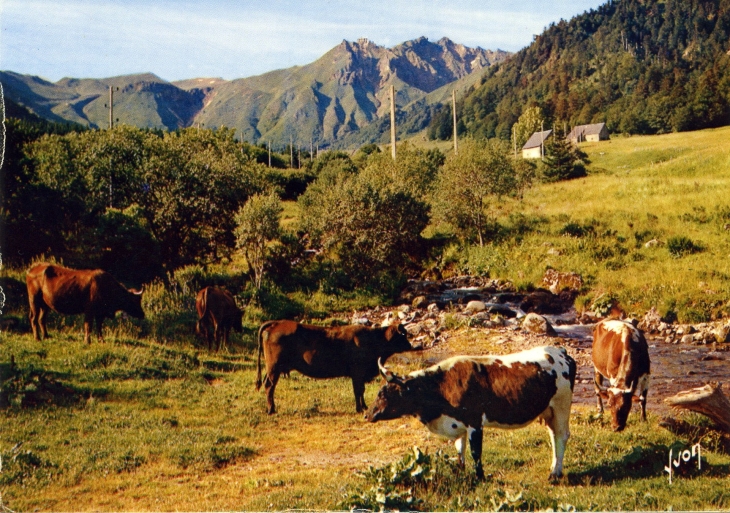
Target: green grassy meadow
{"points": [[637, 189], [149, 421], [144, 426]]}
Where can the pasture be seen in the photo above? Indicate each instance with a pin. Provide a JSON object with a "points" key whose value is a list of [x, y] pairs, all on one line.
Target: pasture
{"points": [[151, 421], [136, 425]]}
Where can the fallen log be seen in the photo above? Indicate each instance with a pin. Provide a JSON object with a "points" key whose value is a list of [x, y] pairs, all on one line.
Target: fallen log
{"points": [[710, 438], [707, 400]]}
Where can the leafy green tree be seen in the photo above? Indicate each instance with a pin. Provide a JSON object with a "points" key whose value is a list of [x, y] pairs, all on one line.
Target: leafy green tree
{"points": [[366, 223], [414, 171], [471, 182], [192, 181], [257, 225], [530, 121]]}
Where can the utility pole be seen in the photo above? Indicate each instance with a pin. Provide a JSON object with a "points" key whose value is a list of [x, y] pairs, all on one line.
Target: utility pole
{"points": [[453, 108], [291, 152], [542, 140], [514, 140], [311, 149], [111, 109], [392, 121], [111, 106], [269, 143], [299, 157]]}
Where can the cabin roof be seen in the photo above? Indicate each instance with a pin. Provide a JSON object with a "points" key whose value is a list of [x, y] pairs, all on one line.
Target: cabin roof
{"points": [[537, 139]]}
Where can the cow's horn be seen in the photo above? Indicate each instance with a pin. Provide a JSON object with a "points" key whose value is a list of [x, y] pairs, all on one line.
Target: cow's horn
{"points": [[138, 292], [388, 375], [382, 369]]}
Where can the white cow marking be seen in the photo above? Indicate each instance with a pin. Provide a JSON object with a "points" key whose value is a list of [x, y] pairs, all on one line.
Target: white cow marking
{"points": [[448, 427]]}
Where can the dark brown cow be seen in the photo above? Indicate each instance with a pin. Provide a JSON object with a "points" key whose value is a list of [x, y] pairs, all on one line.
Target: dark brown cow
{"points": [[457, 397], [620, 353], [93, 293], [217, 309], [317, 352]]}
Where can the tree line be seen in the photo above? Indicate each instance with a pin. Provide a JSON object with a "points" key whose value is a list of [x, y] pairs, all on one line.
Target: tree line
{"points": [[142, 203]]}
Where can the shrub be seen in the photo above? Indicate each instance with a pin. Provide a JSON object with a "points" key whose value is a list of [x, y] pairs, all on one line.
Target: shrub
{"points": [[680, 246], [573, 229]]}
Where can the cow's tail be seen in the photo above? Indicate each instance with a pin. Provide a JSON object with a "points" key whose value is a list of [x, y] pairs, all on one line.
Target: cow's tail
{"points": [[261, 347], [202, 312]]}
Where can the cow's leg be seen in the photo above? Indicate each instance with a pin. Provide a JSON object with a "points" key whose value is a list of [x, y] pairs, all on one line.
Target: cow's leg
{"points": [[41, 319], [475, 446], [226, 334], [99, 322], [598, 386], [642, 401], [33, 315], [88, 320], [272, 377], [208, 339], [460, 444], [42, 312], [217, 332], [358, 387], [557, 420]]}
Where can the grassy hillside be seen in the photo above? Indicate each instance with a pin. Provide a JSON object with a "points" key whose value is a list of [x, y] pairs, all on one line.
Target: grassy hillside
{"points": [[638, 189], [641, 66]]}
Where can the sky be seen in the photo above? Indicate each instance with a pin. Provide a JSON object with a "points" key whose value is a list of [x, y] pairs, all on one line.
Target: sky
{"points": [[182, 39]]}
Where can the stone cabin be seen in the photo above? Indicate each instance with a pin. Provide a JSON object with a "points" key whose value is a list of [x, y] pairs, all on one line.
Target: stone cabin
{"points": [[532, 148], [595, 132]]}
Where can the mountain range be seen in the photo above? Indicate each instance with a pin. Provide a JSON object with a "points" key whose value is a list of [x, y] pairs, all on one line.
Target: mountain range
{"points": [[323, 103]]}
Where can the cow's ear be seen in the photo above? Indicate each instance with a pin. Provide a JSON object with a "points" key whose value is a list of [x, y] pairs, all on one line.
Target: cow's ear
{"points": [[635, 398]]}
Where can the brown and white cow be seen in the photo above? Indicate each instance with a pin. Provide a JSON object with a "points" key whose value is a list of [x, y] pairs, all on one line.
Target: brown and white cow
{"points": [[317, 352], [217, 309], [459, 396], [620, 353], [92, 292]]}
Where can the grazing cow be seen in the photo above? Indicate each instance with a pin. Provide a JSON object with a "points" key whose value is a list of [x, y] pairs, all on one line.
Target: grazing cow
{"points": [[93, 293], [217, 309], [317, 352], [620, 353], [458, 396]]}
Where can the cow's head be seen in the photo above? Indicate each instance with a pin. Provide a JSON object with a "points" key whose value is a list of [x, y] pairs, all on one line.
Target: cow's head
{"points": [[618, 401], [134, 303], [397, 338], [392, 401]]}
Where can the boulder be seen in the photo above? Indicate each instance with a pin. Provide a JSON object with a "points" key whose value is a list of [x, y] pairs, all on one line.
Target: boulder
{"points": [[722, 334], [652, 321], [475, 306], [535, 323], [419, 302], [543, 301], [556, 281], [502, 310]]}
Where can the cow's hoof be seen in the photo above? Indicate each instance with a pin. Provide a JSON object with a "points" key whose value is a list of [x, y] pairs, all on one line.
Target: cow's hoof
{"points": [[555, 478]]}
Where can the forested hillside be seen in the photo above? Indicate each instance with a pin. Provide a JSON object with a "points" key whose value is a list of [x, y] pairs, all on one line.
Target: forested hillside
{"points": [[641, 66]]}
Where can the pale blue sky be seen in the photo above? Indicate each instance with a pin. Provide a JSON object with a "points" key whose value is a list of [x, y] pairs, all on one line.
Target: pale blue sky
{"points": [[233, 39]]}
